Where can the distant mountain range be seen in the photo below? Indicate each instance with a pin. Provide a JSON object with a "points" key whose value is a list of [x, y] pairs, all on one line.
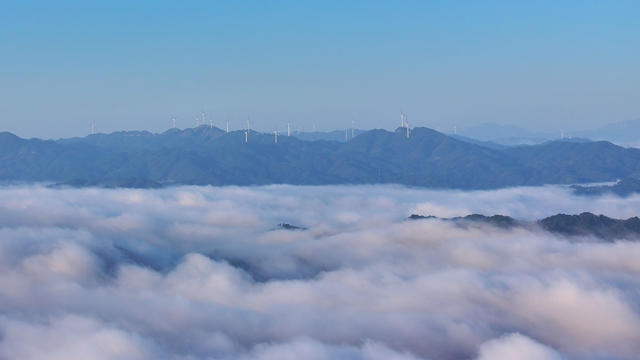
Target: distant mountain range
{"points": [[626, 133], [505, 135], [206, 155], [336, 135], [585, 224]]}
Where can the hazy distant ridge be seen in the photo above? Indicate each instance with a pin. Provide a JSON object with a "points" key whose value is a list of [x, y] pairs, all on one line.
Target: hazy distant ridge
{"points": [[207, 155]]}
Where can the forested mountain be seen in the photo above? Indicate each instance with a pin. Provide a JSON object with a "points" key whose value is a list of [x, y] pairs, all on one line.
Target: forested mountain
{"points": [[205, 155]]}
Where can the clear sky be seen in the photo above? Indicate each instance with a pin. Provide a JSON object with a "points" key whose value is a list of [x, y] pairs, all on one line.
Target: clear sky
{"points": [[134, 65]]}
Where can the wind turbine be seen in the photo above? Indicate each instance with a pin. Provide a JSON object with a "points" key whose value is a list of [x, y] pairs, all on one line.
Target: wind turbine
{"points": [[352, 126], [246, 133], [406, 123]]}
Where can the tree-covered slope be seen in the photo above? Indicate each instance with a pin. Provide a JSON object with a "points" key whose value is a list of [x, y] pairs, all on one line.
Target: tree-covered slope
{"points": [[206, 155]]}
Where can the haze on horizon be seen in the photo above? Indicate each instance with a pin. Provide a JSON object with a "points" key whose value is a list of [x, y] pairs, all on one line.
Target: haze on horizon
{"points": [[128, 66]]}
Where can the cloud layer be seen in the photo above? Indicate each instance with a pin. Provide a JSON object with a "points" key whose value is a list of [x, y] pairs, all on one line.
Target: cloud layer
{"points": [[204, 273]]}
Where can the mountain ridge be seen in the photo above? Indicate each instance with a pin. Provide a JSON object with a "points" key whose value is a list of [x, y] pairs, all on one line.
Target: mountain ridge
{"points": [[206, 155], [580, 225]]}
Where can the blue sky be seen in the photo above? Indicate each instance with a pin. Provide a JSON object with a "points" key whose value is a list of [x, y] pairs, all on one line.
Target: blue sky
{"points": [[136, 64]]}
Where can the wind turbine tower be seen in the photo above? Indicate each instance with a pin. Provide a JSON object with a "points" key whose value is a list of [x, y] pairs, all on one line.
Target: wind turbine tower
{"points": [[227, 125], [174, 122], [275, 136], [353, 124], [288, 129], [246, 133], [406, 123]]}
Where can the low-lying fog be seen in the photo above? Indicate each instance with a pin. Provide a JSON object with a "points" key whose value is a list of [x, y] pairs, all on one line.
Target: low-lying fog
{"points": [[205, 273]]}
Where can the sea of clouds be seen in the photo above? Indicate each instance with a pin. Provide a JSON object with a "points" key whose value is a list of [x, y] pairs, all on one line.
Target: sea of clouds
{"points": [[205, 273]]}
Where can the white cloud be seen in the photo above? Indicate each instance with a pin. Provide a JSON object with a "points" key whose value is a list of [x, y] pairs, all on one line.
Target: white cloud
{"points": [[69, 337], [201, 273], [516, 346]]}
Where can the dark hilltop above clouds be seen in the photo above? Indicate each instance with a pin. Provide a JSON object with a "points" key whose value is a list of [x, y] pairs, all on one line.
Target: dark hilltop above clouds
{"points": [[211, 156], [584, 224]]}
